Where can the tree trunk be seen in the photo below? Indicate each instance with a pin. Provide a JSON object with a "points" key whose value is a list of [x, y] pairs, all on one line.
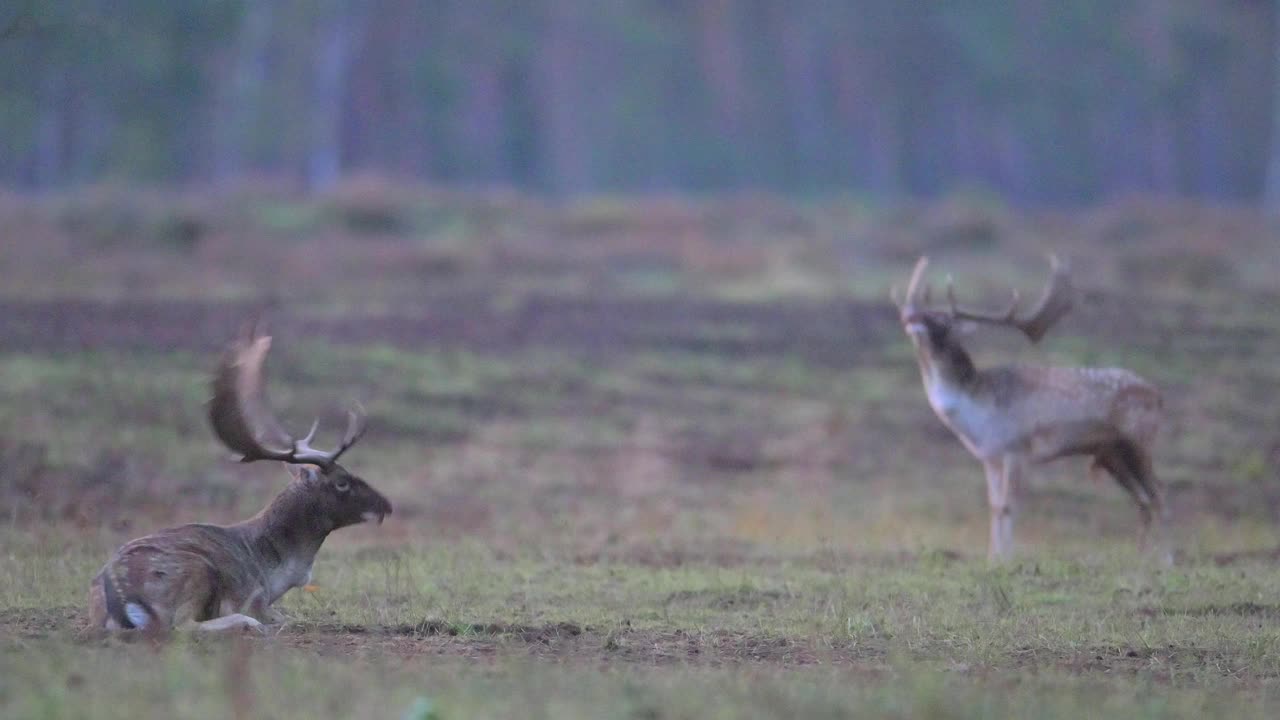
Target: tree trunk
{"points": [[1162, 137], [720, 56], [482, 112], [1271, 193], [885, 143], [338, 34], [560, 99], [800, 69], [51, 128], [240, 99]]}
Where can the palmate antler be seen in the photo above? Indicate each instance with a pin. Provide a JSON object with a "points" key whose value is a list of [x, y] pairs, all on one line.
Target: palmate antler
{"points": [[1056, 302], [1058, 297], [243, 421]]}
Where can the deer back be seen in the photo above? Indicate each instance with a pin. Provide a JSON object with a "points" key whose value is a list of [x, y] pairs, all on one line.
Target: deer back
{"points": [[1062, 410]]}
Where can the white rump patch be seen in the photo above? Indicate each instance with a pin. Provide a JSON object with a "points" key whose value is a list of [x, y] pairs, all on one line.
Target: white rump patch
{"points": [[137, 614]]}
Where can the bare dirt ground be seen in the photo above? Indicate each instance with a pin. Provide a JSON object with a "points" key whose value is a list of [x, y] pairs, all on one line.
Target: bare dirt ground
{"points": [[586, 646]]}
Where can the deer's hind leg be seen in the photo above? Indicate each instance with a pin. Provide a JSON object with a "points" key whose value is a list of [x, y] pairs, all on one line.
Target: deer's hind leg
{"points": [[1112, 461], [1137, 459], [1130, 465]]}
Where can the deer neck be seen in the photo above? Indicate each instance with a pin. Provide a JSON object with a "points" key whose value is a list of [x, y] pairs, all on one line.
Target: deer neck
{"points": [[965, 399], [946, 365], [285, 537]]}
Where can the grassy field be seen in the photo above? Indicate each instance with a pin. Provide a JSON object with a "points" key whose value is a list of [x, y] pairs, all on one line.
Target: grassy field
{"points": [[650, 458]]}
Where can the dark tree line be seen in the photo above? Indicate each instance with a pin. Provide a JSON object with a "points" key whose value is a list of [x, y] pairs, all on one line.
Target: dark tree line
{"points": [[1040, 100]]}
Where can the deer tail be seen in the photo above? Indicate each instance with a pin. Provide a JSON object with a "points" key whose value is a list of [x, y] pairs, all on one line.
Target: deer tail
{"points": [[128, 612]]}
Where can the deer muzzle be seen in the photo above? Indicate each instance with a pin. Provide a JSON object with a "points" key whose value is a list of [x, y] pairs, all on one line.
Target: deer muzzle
{"points": [[914, 326], [378, 513]]}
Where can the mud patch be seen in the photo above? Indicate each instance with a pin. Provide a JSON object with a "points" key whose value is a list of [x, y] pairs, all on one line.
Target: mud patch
{"points": [[1240, 609], [567, 642], [1267, 555], [37, 623], [525, 633], [742, 554], [1160, 664], [570, 643]]}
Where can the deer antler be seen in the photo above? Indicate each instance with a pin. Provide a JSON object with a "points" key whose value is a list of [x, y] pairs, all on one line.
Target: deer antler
{"points": [[913, 287], [1054, 303], [243, 421]]}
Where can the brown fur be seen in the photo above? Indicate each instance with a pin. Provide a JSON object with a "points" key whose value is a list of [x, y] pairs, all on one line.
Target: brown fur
{"points": [[228, 576], [200, 572], [1010, 417]]}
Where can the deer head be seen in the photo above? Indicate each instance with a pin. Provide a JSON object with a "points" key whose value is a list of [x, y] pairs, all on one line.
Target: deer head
{"points": [[242, 419], [936, 327]]}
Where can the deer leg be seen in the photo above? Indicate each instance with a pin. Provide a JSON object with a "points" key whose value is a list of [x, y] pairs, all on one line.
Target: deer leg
{"points": [[272, 616], [1124, 462], [1011, 481], [264, 613], [1109, 460], [1112, 460], [1000, 508], [1096, 470], [253, 607], [1148, 494], [232, 622]]}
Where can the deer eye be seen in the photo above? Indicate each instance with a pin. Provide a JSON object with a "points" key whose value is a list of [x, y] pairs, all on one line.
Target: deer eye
{"points": [[341, 484]]}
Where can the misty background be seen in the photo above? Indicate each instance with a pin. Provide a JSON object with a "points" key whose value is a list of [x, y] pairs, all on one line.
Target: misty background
{"points": [[1040, 101]]}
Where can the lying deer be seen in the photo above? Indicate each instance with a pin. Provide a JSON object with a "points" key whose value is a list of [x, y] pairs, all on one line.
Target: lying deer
{"points": [[225, 577], [1011, 417]]}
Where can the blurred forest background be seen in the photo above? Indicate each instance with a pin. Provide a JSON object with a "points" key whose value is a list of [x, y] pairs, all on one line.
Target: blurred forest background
{"points": [[1040, 101]]}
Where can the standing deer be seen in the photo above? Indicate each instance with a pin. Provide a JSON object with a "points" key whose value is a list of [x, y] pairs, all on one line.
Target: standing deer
{"points": [[1010, 417], [227, 577]]}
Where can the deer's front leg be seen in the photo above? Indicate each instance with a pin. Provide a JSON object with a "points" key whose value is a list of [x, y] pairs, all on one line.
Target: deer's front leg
{"points": [[1012, 479], [1000, 503], [235, 622], [255, 606], [272, 616]]}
